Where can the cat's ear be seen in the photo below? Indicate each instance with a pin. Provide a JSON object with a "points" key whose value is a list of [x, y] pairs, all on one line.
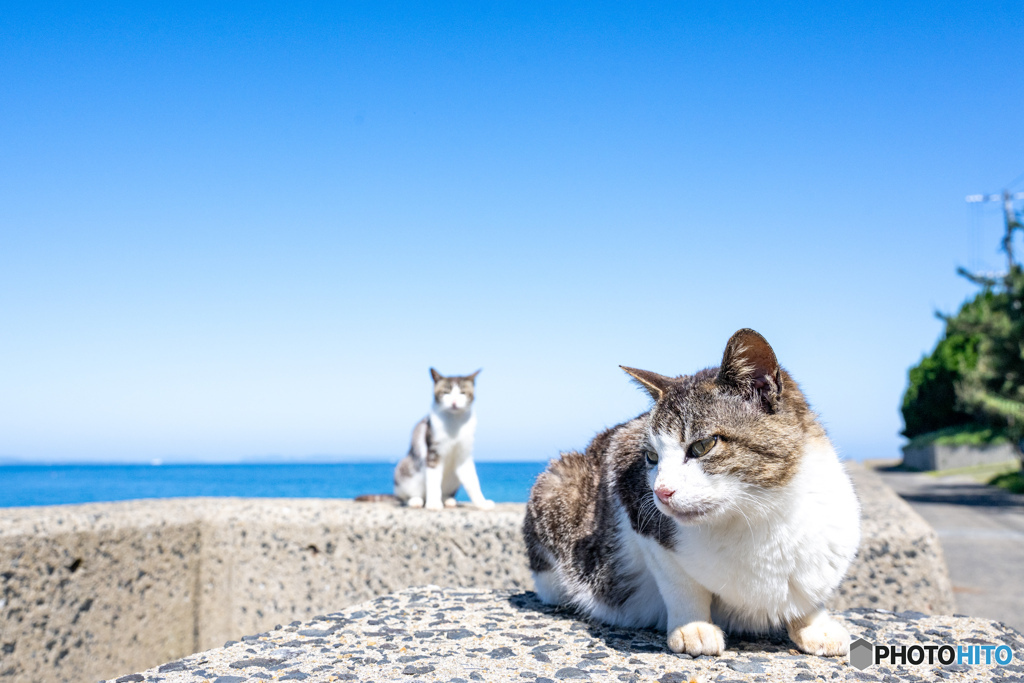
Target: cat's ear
{"points": [[749, 367], [473, 376], [437, 376], [655, 384]]}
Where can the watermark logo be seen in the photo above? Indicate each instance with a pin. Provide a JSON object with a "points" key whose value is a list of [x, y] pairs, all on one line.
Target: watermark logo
{"points": [[864, 653]]}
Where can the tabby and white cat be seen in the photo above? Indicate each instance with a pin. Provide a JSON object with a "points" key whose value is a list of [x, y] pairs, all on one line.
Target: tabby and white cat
{"points": [[724, 504], [440, 458]]}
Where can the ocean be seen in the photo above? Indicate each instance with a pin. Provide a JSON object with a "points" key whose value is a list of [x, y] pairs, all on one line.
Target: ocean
{"points": [[20, 485]]}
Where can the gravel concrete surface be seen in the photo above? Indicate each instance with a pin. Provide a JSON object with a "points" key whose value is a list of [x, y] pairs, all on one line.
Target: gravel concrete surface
{"points": [[457, 636]]}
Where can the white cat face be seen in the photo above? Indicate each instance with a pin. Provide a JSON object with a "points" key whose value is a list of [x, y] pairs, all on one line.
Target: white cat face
{"points": [[681, 488], [453, 394], [454, 399]]}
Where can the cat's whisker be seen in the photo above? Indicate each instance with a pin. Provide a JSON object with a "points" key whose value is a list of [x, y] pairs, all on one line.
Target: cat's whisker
{"points": [[640, 517], [645, 517], [745, 518], [648, 512]]}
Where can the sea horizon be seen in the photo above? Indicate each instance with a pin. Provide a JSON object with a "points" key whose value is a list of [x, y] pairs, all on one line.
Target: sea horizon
{"points": [[38, 483], [241, 460]]}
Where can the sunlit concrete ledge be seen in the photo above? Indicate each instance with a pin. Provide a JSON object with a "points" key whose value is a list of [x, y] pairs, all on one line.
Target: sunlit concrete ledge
{"points": [[458, 635], [94, 591]]}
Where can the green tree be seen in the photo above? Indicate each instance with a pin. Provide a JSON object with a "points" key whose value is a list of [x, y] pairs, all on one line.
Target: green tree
{"points": [[992, 388], [930, 402], [975, 375]]}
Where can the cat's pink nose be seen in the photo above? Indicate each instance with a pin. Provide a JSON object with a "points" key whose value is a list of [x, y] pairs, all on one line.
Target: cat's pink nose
{"points": [[664, 493]]}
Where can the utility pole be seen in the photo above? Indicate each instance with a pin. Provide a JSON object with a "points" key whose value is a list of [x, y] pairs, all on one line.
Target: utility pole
{"points": [[1012, 223]]}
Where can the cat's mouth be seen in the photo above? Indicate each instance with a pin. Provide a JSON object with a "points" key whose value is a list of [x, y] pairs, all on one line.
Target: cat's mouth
{"points": [[690, 514]]}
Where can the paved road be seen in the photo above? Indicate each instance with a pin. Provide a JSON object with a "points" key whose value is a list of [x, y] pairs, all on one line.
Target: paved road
{"points": [[981, 529]]}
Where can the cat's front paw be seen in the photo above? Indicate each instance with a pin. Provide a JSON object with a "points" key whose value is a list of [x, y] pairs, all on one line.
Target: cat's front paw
{"points": [[485, 504], [450, 502], [824, 637], [697, 638], [415, 502], [434, 505]]}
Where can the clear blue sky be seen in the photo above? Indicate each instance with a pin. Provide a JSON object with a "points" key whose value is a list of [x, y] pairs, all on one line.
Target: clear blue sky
{"points": [[235, 231]]}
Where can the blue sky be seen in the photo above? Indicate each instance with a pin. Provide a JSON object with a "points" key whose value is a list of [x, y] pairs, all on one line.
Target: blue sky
{"points": [[240, 231]]}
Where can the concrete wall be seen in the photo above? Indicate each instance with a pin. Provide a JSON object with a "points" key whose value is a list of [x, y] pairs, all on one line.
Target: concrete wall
{"points": [[93, 591], [899, 565], [88, 590], [939, 457], [268, 562]]}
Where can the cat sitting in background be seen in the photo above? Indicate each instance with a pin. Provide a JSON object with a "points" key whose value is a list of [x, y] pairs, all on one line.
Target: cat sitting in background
{"points": [[724, 504], [440, 457]]}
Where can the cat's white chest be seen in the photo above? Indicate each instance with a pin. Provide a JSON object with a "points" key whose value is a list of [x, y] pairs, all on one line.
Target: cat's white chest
{"points": [[746, 566], [453, 439]]}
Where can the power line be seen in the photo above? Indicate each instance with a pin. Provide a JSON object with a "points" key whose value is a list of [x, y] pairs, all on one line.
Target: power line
{"points": [[1015, 181]]}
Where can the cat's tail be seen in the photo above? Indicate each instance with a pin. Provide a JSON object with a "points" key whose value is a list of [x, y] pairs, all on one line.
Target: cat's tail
{"points": [[377, 498]]}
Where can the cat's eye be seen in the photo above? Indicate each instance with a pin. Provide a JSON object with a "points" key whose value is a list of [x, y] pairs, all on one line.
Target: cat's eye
{"points": [[652, 456], [700, 448]]}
